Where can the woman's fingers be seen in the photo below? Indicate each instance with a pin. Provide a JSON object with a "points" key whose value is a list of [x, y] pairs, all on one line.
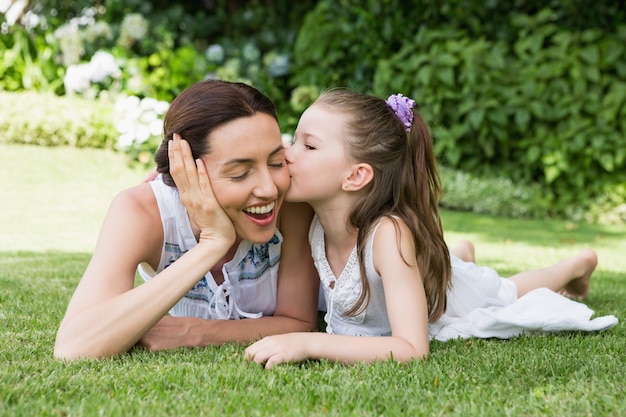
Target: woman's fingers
{"points": [[183, 167], [188, 161], [203, 179], [196, 193], [176, 163]]}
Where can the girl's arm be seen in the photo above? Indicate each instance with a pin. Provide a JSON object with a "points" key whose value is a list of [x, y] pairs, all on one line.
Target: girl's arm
{"points": [[106, 315], [406, 308]]}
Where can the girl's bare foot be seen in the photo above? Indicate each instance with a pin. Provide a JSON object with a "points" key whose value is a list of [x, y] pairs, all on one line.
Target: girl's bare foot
{"points": [[464, 250], [578, 288]]}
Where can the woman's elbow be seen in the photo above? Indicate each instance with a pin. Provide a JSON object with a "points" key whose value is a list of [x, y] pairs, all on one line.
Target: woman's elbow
{"points": [[63, 353], [67, 351], [71, 350]]}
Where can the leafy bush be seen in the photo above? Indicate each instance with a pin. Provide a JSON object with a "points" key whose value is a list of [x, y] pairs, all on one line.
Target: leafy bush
{"points": [[548, 109], [28, 62], [489, 195], [49, 120], [340, 42], [512, 90]]}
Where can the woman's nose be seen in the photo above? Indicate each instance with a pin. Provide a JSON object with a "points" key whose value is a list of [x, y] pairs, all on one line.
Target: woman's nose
{"points": [[266, 187]]}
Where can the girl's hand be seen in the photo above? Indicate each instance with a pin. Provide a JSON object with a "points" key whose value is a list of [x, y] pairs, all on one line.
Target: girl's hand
{"points": [[277, 349], [196, 194]]}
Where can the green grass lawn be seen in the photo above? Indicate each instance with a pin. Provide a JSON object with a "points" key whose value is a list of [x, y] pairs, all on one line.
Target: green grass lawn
{"points": [[53, 201]]}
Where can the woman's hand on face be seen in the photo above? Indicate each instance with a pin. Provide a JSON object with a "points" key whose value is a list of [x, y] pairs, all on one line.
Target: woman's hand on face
{"points": [[196, 194]]}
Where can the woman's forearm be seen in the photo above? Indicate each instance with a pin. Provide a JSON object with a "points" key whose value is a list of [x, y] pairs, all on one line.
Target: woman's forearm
{"points": [[176, 332], [113, 326]]}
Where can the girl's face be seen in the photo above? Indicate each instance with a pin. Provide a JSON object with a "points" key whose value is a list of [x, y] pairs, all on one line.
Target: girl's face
{"points": [[317, 159], [248, 174]]}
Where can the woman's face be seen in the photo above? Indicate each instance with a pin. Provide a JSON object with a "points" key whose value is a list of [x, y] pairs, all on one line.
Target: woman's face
{"points": [[248, 174], [317, 158]]}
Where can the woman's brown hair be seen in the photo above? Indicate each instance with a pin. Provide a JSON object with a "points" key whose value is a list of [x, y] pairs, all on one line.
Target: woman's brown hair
{"points": [[202, 108]]}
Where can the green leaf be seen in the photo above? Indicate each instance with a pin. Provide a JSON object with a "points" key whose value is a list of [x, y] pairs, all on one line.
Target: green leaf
{"points": [[590, 54], [612, 53], [533, 153], [607, 161], [522, 117], [552, 173], [424, 75], [447, 60], [476, 118], [446, 76], [498, 115]]}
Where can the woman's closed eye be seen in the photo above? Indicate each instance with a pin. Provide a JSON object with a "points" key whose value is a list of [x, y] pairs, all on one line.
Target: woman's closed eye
{"points": [[277, 164], [240, 176]]}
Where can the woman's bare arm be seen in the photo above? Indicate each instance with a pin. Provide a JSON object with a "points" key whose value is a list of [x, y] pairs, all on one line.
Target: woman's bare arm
{"points": [[296, 305], [106, 315]]}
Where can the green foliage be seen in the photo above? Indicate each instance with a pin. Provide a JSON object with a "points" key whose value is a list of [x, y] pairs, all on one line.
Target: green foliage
{"points": [[28, 62], [547, 109], [165, 73], [573, 374], [497, 196], [53, 206], [340, 42], [530, 90], [48, 120]]}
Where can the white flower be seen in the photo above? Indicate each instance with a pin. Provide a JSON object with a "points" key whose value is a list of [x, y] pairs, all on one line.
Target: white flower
{"points": [[76, 78], [215, 54], [139, 120], [103, 65], [71, 43], [99, 30], [125, 104], [287, 139], [278, 64], [250, 52], [134, 28]]}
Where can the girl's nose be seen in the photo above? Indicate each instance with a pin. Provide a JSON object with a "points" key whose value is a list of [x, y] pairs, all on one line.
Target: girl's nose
{"points": [[290, 154]]}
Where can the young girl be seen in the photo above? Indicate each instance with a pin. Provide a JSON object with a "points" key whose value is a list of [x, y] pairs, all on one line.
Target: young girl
{"points": [[367, 168]]}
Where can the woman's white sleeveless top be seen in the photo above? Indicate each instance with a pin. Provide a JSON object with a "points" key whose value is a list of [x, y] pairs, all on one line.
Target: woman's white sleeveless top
{"points": [[250, 278]]}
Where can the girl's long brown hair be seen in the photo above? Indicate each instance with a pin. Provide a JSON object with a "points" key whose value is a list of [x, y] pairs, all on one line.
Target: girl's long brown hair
{"points": [[406, 185]]}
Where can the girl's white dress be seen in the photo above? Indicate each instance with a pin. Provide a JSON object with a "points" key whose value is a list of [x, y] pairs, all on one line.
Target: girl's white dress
{"points": [[480, 302]]}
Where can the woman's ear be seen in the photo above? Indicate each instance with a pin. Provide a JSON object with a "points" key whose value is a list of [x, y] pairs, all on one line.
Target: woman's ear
{"points": [[361, 175]]}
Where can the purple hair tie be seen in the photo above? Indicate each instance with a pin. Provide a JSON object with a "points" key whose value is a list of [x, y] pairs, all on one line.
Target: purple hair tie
{"points": [[403, 108]]}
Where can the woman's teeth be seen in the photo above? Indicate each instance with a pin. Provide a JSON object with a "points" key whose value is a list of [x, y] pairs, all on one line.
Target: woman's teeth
{"points": [[260, 209]]}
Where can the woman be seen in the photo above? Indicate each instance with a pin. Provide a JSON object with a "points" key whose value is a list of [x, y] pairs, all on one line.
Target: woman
{"points": [[218, 219]]}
